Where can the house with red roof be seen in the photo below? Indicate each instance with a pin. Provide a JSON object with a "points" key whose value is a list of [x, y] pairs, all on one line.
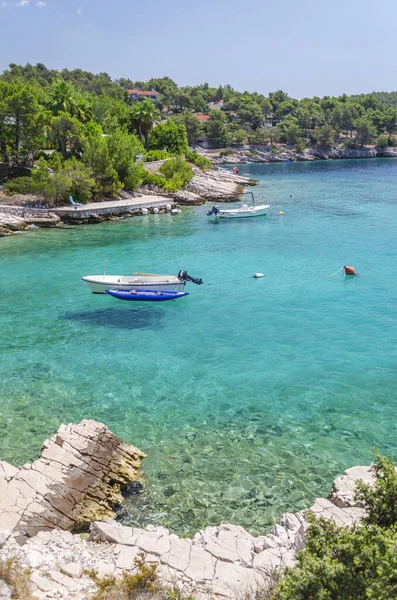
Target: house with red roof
{"points": [[203, 118], [138, 94]]}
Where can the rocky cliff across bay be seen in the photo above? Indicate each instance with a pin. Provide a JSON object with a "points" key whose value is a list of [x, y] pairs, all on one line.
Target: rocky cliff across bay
{"points": [[75, 484]]}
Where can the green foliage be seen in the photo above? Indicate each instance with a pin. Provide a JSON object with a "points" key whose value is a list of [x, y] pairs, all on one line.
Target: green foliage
{"points": [[365, 131], [290, 131], [341, 563], [68, 110], [199, 160], [67, 133], [144, 114], [123, 149], [193, 126], [260, 137], [300, 146], [168, 136], [70, 177], [239, 137], [96, 156], [177, 173], [380, 500], [350, 143], [21, 123], [382, 141], [218, 134], [135, 177], [153, 155], [324, 137], [19, 185]]}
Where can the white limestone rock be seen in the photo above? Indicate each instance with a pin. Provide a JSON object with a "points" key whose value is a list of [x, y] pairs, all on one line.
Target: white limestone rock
{"points": [[344, 487]]}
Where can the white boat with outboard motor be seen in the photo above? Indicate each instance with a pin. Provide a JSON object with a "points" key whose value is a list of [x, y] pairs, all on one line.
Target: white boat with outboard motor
{"points": [[256, 210], [98, 284]]}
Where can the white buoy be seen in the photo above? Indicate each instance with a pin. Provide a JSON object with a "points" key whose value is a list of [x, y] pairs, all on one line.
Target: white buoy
{"points": [[155, 210], [175, 211], [258, 275], [168, 207], [145, 211]]}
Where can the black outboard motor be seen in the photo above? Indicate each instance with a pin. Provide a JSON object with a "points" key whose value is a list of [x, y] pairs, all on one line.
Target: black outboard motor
{"points": [[183, 276], [214, 211]]}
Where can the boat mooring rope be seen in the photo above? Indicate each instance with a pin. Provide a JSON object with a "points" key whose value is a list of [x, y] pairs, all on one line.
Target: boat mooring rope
{"points": [[62, 287], [341, 269], [229, 281]]}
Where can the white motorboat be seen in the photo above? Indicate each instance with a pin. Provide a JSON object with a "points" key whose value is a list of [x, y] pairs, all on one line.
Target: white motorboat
{"points": [[255, 210], [98, 284]]}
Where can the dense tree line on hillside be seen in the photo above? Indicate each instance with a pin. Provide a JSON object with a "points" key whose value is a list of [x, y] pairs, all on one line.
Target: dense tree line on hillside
{"points": [[98, 133]]}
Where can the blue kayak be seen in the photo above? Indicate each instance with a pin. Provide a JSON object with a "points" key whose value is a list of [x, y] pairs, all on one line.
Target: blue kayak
{"points": [[146, 295]]}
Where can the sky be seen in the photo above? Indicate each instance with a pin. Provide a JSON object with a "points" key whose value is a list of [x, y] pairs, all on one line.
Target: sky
{"points": [[304, 47]]}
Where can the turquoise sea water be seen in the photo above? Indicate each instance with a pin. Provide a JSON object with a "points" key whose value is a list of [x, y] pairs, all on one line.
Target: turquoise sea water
{"points": [[249, 396]]}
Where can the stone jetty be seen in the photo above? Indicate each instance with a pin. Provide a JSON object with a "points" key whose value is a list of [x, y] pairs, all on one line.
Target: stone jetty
{"points": [[128, 206], [76, 482]]}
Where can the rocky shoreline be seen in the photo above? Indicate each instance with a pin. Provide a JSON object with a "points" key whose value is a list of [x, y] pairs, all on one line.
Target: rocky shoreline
{"points": [[74, 486], [265, 154], [205, 186]]}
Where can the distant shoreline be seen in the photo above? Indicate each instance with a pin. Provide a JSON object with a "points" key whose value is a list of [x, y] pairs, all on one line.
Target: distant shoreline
{"points": [[264, 154]]}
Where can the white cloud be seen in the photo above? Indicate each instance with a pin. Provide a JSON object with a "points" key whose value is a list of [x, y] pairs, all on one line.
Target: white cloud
{"points": [[41, 4], [4, 4], [79, 11], [23, 3]]}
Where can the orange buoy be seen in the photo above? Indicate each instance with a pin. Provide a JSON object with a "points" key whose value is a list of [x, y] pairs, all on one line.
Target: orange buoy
{"points": [[349, 270], [280, 212]]}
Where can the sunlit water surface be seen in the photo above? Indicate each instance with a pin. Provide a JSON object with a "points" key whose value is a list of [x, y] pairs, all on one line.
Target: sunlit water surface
{"points": [[249, 395]]}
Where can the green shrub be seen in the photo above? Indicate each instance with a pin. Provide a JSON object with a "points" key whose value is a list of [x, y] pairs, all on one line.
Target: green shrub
{"points": [[20, 185], [356, 563], [177, 173], [153, 179], [225, 152], [199, 160], [350, 143], [135, 176], [382, 141], [300, 146], [154, 155], [380, 499]]}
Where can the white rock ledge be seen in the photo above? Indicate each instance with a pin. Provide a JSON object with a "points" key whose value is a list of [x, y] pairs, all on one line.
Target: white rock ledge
{"points": [[38, 502]]}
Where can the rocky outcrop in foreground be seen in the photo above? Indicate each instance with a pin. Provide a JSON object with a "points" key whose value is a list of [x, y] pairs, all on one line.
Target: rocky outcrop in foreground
{"points": [[76, 480], [78, 477]]}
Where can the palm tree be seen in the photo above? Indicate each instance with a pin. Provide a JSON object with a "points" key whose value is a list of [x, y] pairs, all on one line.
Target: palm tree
{"points": [[83, 108], [62, 98], [144, 115]]}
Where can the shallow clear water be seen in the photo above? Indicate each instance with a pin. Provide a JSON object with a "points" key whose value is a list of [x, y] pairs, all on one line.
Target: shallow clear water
{"points": [[248, 396]]}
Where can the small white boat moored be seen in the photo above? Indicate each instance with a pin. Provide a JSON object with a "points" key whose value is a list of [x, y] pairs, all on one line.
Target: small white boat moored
{"points": [[256, 210], [98, 284]]}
